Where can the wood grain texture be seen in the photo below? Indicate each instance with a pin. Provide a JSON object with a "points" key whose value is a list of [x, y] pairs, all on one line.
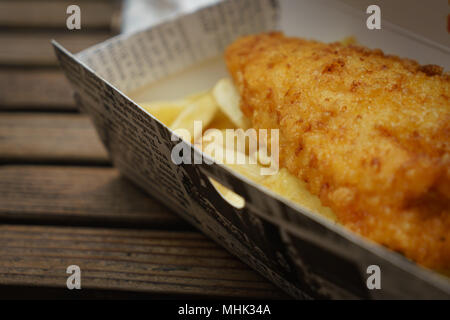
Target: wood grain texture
{"points": [[88, 204], [137, 260], [49, 137], [35, 49], [35, 89], [78, 196], [52, 14]]}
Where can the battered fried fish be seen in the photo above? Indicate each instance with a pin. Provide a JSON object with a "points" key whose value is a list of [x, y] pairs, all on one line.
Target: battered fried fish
{"points": [[368, 132]]}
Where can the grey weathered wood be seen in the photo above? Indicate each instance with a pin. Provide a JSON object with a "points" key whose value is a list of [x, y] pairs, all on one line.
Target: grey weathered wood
{"points": [[34, 48], [35, 89], [49, 137], [78, 196], [34, 254], [136, 260], [52, 14]]}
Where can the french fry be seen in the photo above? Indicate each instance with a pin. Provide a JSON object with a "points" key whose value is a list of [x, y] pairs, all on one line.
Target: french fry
{"points": [[166, 111], [294, 189], [221, 154], [221, 122], [228, 98], [220, 110], [203, 109], [282, 182], [233, 198], [249, 171]]}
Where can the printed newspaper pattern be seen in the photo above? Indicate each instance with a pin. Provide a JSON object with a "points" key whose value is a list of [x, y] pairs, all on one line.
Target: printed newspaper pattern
{"points": [[302, 253], [129, 62]]}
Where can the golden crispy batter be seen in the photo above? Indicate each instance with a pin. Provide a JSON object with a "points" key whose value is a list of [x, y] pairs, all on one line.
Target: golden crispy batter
{"points": [[369, 133]]}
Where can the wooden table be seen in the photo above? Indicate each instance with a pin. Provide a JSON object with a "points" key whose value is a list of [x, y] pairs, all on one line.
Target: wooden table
{"points": [[61, 202]]}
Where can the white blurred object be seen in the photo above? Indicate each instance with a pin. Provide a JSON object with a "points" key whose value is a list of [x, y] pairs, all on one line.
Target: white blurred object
{"points": [[140, 14]]}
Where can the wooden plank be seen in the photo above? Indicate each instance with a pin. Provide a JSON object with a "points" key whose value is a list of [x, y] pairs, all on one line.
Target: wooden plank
{"points": [[78, 196], [52, 14], [35, 49], [35, 89], [133, 260], [49, 137]]}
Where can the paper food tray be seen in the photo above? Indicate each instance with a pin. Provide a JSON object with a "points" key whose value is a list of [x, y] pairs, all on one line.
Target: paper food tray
{"points": [[303, 253]]}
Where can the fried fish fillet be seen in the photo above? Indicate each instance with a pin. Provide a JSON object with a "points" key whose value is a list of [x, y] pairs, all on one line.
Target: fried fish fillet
{"points": [[369, 134]]}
